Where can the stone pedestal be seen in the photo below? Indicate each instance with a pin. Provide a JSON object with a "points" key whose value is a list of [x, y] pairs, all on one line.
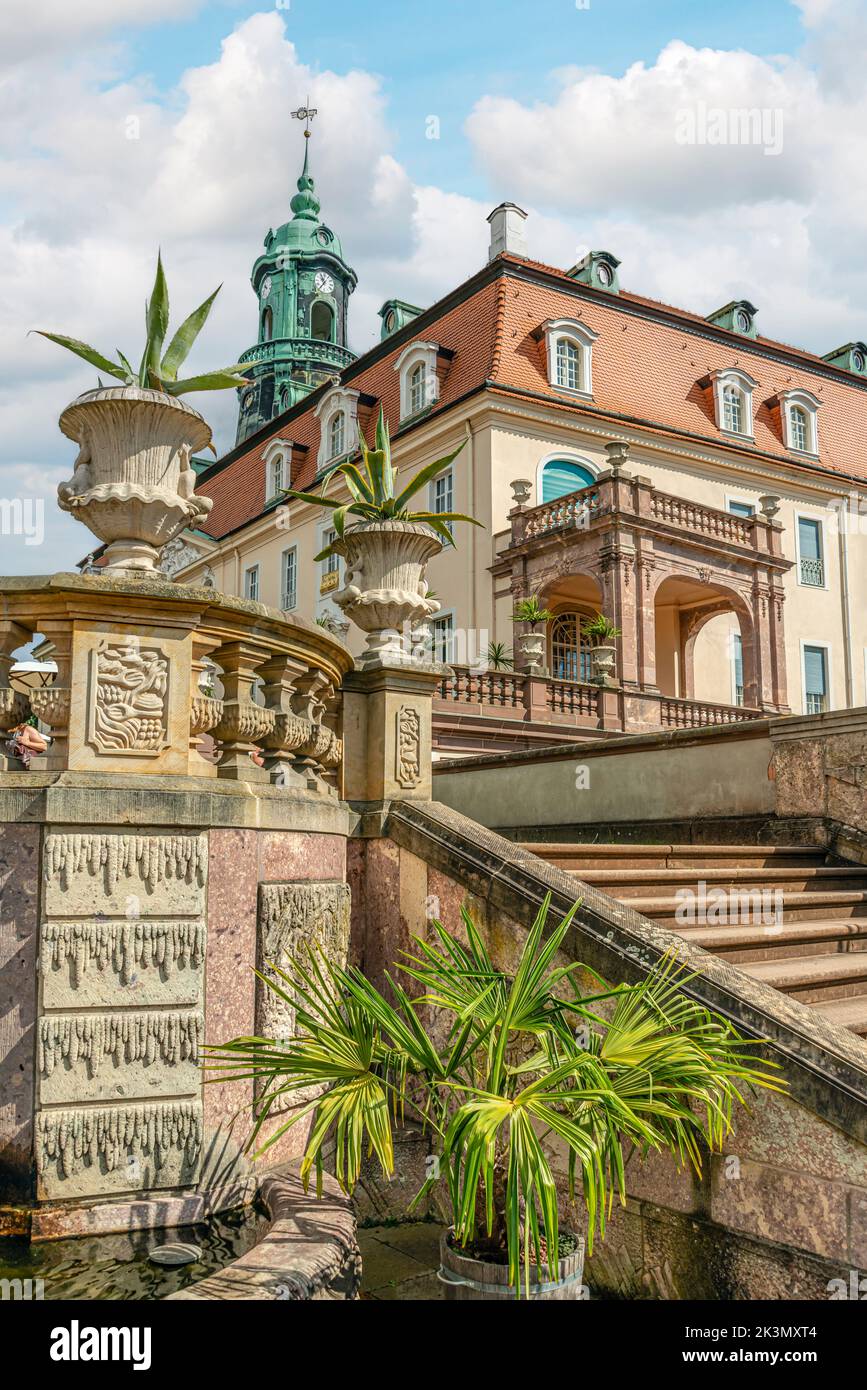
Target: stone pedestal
{"points": [[387, 716]]}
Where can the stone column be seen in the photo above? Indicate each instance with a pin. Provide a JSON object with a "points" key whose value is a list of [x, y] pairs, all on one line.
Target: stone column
{"points": [[387, 718], [244, 723]]}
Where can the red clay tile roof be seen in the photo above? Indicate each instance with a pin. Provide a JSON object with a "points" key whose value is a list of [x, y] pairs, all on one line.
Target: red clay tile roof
{"points": [[647, 366]]}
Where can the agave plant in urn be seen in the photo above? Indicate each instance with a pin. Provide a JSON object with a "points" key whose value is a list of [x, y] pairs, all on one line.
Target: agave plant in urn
{"points": [[134, 484], [387, 549]]}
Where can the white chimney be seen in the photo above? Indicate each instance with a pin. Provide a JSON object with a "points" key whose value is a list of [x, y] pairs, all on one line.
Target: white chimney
{"points": [[507, 230]]}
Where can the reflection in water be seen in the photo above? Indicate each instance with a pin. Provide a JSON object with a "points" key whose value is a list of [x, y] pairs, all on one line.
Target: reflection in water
{"points": [[117, 1267]]}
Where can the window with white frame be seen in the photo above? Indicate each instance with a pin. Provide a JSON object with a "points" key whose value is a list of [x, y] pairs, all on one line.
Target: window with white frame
{"points": [[331, 563], [568, 364], [443, 633], [417, 391], [799, 413], [337, 414], [289, 578], [811, 553], [745, 509], [278, 468], [569, 351], [251, 583], [733, 401], [815, 679], [337, 435], [442, 495], [419, 383]]}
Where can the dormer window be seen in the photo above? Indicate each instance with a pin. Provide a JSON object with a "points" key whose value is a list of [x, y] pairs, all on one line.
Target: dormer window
{"points": [[800, 421], [569, 347], [733, 401], [337, 413], [337, 435], [419, 383], [278, 468]]}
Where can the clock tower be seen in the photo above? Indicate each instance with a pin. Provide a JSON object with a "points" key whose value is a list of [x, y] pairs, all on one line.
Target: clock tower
{"points": [[302, 284]]}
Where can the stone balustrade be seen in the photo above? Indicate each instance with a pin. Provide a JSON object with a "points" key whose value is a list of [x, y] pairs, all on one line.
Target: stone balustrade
{"points": [[132, 694]]}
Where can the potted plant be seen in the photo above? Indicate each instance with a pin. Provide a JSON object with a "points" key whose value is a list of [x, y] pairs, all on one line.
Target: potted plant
{"points": [[532, 644], [134, 484], [601, 633], [387, 549], [499, 658], [493, 1065]]}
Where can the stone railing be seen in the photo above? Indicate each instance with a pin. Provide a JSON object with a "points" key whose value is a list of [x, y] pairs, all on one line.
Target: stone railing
{"points": [[304, 349], [571, 697], [703, 521], [575, 510], [700, 714], [145, 669], [499, 689]]}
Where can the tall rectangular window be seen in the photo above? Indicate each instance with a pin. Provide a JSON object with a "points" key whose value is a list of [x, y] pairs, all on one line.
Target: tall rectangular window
{"points": [[738, 667], [815, 680], [568, 365], [443, 630], [289, 580], [251, 583], [332, 562], [442, 495], [811, 559]]}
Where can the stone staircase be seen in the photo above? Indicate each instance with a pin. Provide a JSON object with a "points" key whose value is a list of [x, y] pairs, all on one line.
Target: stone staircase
{"points": [[790, 916]]}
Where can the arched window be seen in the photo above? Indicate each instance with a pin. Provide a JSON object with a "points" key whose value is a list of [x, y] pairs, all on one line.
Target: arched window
{"points": [[322, 321], [267, 325], [570, 651], [417, 391], [337, 435], [568, 364], [562, 476], [733, 410]]}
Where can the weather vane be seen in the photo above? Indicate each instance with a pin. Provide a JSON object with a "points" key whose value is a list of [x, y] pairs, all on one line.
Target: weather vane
{"points": [[305, 113]]}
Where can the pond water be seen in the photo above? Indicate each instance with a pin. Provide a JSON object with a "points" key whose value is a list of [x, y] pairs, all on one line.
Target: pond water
{"points": [[117, 1266]]}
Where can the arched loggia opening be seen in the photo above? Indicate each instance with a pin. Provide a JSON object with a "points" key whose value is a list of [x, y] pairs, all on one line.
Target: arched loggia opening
{"points": [[570, 599], [705, 643]]}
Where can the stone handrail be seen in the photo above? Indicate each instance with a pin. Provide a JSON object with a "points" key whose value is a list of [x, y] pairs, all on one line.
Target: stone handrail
{"points": [[704, 521], [573, 697], [700, 714], [575, 509], [132, 660], [497, 688]]}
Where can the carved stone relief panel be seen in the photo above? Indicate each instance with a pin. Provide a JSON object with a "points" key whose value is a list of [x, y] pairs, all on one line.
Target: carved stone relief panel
{"points": [[408, 747], [293, 916], [128, 711]]}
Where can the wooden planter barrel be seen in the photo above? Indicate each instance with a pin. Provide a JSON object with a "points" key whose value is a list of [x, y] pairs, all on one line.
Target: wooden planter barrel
{"points": [[466, 1279]]}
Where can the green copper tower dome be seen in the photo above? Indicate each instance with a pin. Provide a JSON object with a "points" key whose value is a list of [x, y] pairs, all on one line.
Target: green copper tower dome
{"points": [[302, 284]]}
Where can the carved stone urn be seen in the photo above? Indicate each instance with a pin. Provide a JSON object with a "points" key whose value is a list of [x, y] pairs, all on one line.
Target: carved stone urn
{"points": [[531, 645], [134, 483], [385, 587], [602, 664]]}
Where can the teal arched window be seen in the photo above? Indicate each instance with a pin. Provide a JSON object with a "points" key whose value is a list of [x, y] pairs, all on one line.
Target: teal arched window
{"points": [[562, 476]]}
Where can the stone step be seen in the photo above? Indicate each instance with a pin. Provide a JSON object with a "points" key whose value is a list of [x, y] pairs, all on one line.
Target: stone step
{"points": [[846, 1013], [755, 942], [638, 883], [796, 907], [818, 977], [617, 856]]}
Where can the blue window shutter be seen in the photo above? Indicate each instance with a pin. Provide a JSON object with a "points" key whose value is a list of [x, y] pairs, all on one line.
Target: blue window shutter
{"points": [[815, 672], [808, 538], [561, 477]]}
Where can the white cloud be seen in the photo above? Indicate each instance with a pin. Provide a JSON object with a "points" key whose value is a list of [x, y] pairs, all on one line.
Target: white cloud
{"points": [[45, 26]]}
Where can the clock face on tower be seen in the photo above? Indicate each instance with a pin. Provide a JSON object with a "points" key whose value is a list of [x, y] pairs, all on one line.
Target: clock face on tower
{"points": [[266, 286], [323, 282]]}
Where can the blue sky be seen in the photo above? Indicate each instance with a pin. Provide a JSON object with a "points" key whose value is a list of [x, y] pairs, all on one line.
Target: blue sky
{"points": [[131, 124], [438, 57]]}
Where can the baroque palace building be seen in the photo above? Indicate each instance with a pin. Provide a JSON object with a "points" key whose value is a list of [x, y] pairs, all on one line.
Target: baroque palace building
{"points": [[701, 485]]}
